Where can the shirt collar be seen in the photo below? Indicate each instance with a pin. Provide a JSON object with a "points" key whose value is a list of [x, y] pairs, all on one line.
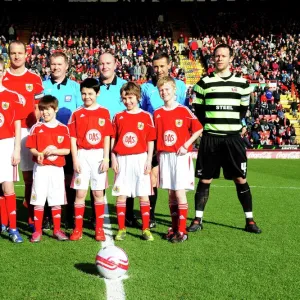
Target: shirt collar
{"points": [[114, 82], [64, 82]]}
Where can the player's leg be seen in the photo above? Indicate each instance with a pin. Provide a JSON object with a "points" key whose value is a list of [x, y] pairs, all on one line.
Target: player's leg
{"points": [[3, 212], [27, 177], [11, 207], [70, 193], [56, 198], [79, 208], [38, 198], [121, 213], [236, 168], [173, 206], [153, 198], [99, 206], [181, 234], [145, 213], [26, 166]]}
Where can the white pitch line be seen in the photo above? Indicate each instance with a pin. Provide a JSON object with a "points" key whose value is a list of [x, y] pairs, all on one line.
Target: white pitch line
{"points": [[262, 187], [114, 288]]}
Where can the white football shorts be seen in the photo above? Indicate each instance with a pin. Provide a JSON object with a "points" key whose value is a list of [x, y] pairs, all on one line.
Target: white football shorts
{"points": [[131, 180], [48, 184], [176, 172], [8, 172], [90, 161]]}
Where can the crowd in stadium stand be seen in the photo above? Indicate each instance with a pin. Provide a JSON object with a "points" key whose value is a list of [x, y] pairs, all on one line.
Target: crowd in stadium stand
{"points": [[270, 61]]}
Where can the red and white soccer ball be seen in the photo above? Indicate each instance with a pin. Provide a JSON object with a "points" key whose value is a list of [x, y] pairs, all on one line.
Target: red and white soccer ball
{"points": [[112, 262]]}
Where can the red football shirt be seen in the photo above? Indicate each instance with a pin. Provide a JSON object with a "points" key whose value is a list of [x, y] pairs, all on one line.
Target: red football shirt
{"points": [[53, 136], [10, 110], [174, 127], [132, 132], [90, 126], [29, 85]]}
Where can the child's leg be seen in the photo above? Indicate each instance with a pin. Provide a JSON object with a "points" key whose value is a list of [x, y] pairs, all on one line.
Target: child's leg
{"points": [[173, 205], [182, 209], [56, 217], [99, 208], [121, 211], [79, 208], [38, 218], [145, 211]]}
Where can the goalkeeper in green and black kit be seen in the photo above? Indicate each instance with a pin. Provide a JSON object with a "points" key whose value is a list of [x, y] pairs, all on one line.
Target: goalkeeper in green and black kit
{"points": [[221, 102]]}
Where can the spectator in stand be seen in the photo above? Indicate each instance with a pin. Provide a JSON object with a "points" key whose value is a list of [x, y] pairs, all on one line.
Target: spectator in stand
{"points": [[294, 109]]}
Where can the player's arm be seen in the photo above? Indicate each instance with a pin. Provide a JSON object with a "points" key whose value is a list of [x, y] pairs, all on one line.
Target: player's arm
{"points": [[16, 156], [114, 161], [74, 152], [49, 152], [39, 155], [184, 148], [148, 165], [105, 162], [198, 103]]}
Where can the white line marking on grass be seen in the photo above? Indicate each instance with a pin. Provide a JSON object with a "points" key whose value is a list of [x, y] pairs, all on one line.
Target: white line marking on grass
{"points": [[114, 288], [262, 187]]}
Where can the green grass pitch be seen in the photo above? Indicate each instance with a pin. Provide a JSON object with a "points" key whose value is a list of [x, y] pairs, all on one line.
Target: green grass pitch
{"points": [[220, 262]]}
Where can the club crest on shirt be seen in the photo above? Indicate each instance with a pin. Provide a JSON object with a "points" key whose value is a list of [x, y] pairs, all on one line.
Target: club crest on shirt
{"points": [[101, 122], [68, 98], [5, 105], [29, 87], [140, 125], [60, 139], [77, 181], [178, 123], [33, 197], [116, 189]]}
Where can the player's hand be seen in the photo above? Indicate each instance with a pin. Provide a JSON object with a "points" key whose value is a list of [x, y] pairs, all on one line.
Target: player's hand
{"points": [[148, 167], [182, 151], [76, 167], [48, 152], [115, 165], [104, 165], [40, 158], [15, 158]]}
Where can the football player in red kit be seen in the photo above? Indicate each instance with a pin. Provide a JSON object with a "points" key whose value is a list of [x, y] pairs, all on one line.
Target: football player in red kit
{"points": [[176, 129], [132, 150]]}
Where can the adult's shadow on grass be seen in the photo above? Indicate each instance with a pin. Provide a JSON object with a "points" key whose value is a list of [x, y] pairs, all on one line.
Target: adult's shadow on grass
{"points": [[87, 268], [223, 225]]}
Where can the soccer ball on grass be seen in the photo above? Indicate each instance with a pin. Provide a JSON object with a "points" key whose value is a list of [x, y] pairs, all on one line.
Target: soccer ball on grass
{"points": [[112, 262]]}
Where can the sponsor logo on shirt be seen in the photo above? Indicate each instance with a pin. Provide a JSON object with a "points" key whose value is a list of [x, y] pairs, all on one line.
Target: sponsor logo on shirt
{"points": [[5, 105], [140, 125], [170, 138], [130, 139], [29, 87], [93, 136], [68, 98], [101, 122], [51, 157]]}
